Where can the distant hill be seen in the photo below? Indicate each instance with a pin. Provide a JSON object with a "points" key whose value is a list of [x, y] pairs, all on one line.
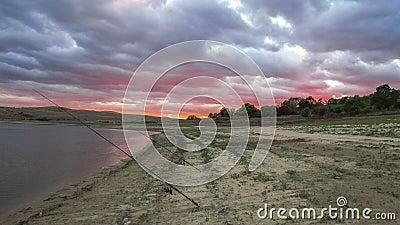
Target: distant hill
{"points": [[53, 114]]}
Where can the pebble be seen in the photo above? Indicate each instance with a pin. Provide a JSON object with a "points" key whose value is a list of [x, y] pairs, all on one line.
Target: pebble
{"points": [[127, 221]]}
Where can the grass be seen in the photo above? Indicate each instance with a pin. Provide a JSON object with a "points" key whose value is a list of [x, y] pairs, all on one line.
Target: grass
{"points": [[262, 177], [382, 126], [356, 120]]}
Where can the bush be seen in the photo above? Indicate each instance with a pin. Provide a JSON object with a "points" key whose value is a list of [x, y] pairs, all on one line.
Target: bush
{"points": [[305, 112]]}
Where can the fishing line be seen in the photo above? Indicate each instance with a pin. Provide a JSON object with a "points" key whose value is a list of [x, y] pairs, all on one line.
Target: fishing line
{"points": [[117, 147]]}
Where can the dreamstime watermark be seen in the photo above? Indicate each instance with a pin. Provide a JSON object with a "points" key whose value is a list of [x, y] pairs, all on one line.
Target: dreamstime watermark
{"points": [[339, 212], [143, 94]]}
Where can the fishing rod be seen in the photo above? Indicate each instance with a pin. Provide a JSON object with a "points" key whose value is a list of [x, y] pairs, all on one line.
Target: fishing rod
{"points": [[116, 146]]}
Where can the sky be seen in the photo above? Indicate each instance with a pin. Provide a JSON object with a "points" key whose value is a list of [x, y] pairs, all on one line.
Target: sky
{"points": [[82, 54]]}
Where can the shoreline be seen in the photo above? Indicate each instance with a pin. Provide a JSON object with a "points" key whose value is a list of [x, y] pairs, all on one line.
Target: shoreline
{"points": [[45, 196], [37, 207], [301, 170]]}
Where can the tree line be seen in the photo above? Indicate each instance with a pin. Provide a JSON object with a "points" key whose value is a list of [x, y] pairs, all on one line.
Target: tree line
{"points": [[384, 98]]}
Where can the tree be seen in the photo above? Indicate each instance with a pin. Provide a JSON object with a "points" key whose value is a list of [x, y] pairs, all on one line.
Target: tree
{"points": [[385, 97], [343, 100], [192, 117], [356, 105], [308, 102], [268, 111], [333, 101], [306, 112], [322, 110], [226, 112], [335, 106], [250, 110], [397, 104], [289, 107]]}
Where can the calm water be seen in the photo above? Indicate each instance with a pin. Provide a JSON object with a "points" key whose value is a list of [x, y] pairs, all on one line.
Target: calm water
{"points": [[36, 160]]}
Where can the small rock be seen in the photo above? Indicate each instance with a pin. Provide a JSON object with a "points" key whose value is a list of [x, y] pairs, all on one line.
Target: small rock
{"points": [[127, 221]]}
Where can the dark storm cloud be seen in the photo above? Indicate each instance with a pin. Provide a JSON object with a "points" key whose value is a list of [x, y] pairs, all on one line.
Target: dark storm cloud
{"points": [[360, 26], [62, 33], [92, 47], [336, 25]]}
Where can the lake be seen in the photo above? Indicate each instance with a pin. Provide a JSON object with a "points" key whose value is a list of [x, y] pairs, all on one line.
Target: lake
{"points": [[36, 160]]}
